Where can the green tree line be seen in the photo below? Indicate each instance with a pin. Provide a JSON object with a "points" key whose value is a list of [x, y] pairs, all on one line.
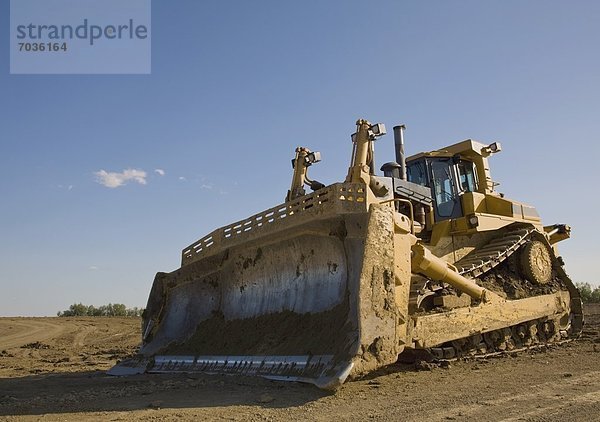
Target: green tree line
{"points": [[111, 310], [588, 294]]}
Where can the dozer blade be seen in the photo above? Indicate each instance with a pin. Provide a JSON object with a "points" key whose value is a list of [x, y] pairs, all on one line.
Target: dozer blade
{"points": [[301, 292]]}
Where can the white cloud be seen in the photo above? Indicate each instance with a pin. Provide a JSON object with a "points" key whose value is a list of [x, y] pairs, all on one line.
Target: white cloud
{"points": [[160, 172], [114, 179], [182, 178], [206, 186], [93, 268]]}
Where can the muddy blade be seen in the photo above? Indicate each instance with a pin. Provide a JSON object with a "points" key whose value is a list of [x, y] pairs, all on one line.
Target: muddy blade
{"points": [[306, 299]]}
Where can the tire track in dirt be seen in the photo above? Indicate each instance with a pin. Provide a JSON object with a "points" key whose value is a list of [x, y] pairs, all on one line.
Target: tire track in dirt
{"points": [[82, 333], [549, 398], [579, 405], [27, 331]]}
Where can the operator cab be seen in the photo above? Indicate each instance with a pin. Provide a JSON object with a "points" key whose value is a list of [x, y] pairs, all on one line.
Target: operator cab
{"points": [[448, 178]]}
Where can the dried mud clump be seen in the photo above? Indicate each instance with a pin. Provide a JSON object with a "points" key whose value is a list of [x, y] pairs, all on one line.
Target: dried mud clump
{"points": [[35, 345], [506, 279]]}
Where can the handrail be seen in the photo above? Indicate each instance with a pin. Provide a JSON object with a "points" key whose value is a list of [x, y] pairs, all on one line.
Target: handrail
{"points": [[347, 192]]}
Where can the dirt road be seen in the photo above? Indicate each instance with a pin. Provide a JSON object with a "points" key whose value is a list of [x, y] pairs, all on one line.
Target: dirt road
{"points": [[52, 369]]}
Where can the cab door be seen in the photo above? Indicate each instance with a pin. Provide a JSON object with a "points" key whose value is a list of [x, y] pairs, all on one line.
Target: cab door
{"points": [[444, 189]]}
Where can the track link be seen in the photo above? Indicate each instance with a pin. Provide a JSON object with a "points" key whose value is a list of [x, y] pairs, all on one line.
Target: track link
{"points": [[529, 335], [482, 260]]}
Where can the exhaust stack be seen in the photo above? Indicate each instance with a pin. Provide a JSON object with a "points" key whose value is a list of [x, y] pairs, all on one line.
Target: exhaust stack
{"points": [[399, 144]]}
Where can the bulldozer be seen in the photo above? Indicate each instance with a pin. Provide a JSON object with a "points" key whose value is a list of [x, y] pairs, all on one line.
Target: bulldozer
{"points": [[427, 259]]}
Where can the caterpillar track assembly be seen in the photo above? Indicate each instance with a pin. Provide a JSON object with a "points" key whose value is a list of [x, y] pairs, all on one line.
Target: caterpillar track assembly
{"points": [[426, 258]]}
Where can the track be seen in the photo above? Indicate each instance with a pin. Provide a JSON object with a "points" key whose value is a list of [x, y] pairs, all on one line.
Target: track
{"points": [[489, 260], [494, 253]]}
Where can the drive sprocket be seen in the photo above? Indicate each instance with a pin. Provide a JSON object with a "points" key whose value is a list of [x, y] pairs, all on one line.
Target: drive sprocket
{"points": [[536, 262]]}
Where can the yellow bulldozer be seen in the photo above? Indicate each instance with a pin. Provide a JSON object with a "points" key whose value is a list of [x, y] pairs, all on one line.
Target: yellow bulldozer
{"points": [[426, 259]]}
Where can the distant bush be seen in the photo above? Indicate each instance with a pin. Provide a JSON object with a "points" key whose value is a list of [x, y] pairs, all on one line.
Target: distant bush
{"points": [[112, 310], [588, 294]]}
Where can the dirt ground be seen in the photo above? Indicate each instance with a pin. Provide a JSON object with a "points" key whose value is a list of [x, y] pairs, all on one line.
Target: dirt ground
{"points": [[52, 369]]}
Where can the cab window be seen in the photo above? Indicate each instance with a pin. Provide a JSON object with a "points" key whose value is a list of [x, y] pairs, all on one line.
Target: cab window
{"points": [[466, 176], [417, 173]]}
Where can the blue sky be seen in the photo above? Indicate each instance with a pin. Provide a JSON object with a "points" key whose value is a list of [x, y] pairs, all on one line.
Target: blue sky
{"points": [[237, 85]]}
